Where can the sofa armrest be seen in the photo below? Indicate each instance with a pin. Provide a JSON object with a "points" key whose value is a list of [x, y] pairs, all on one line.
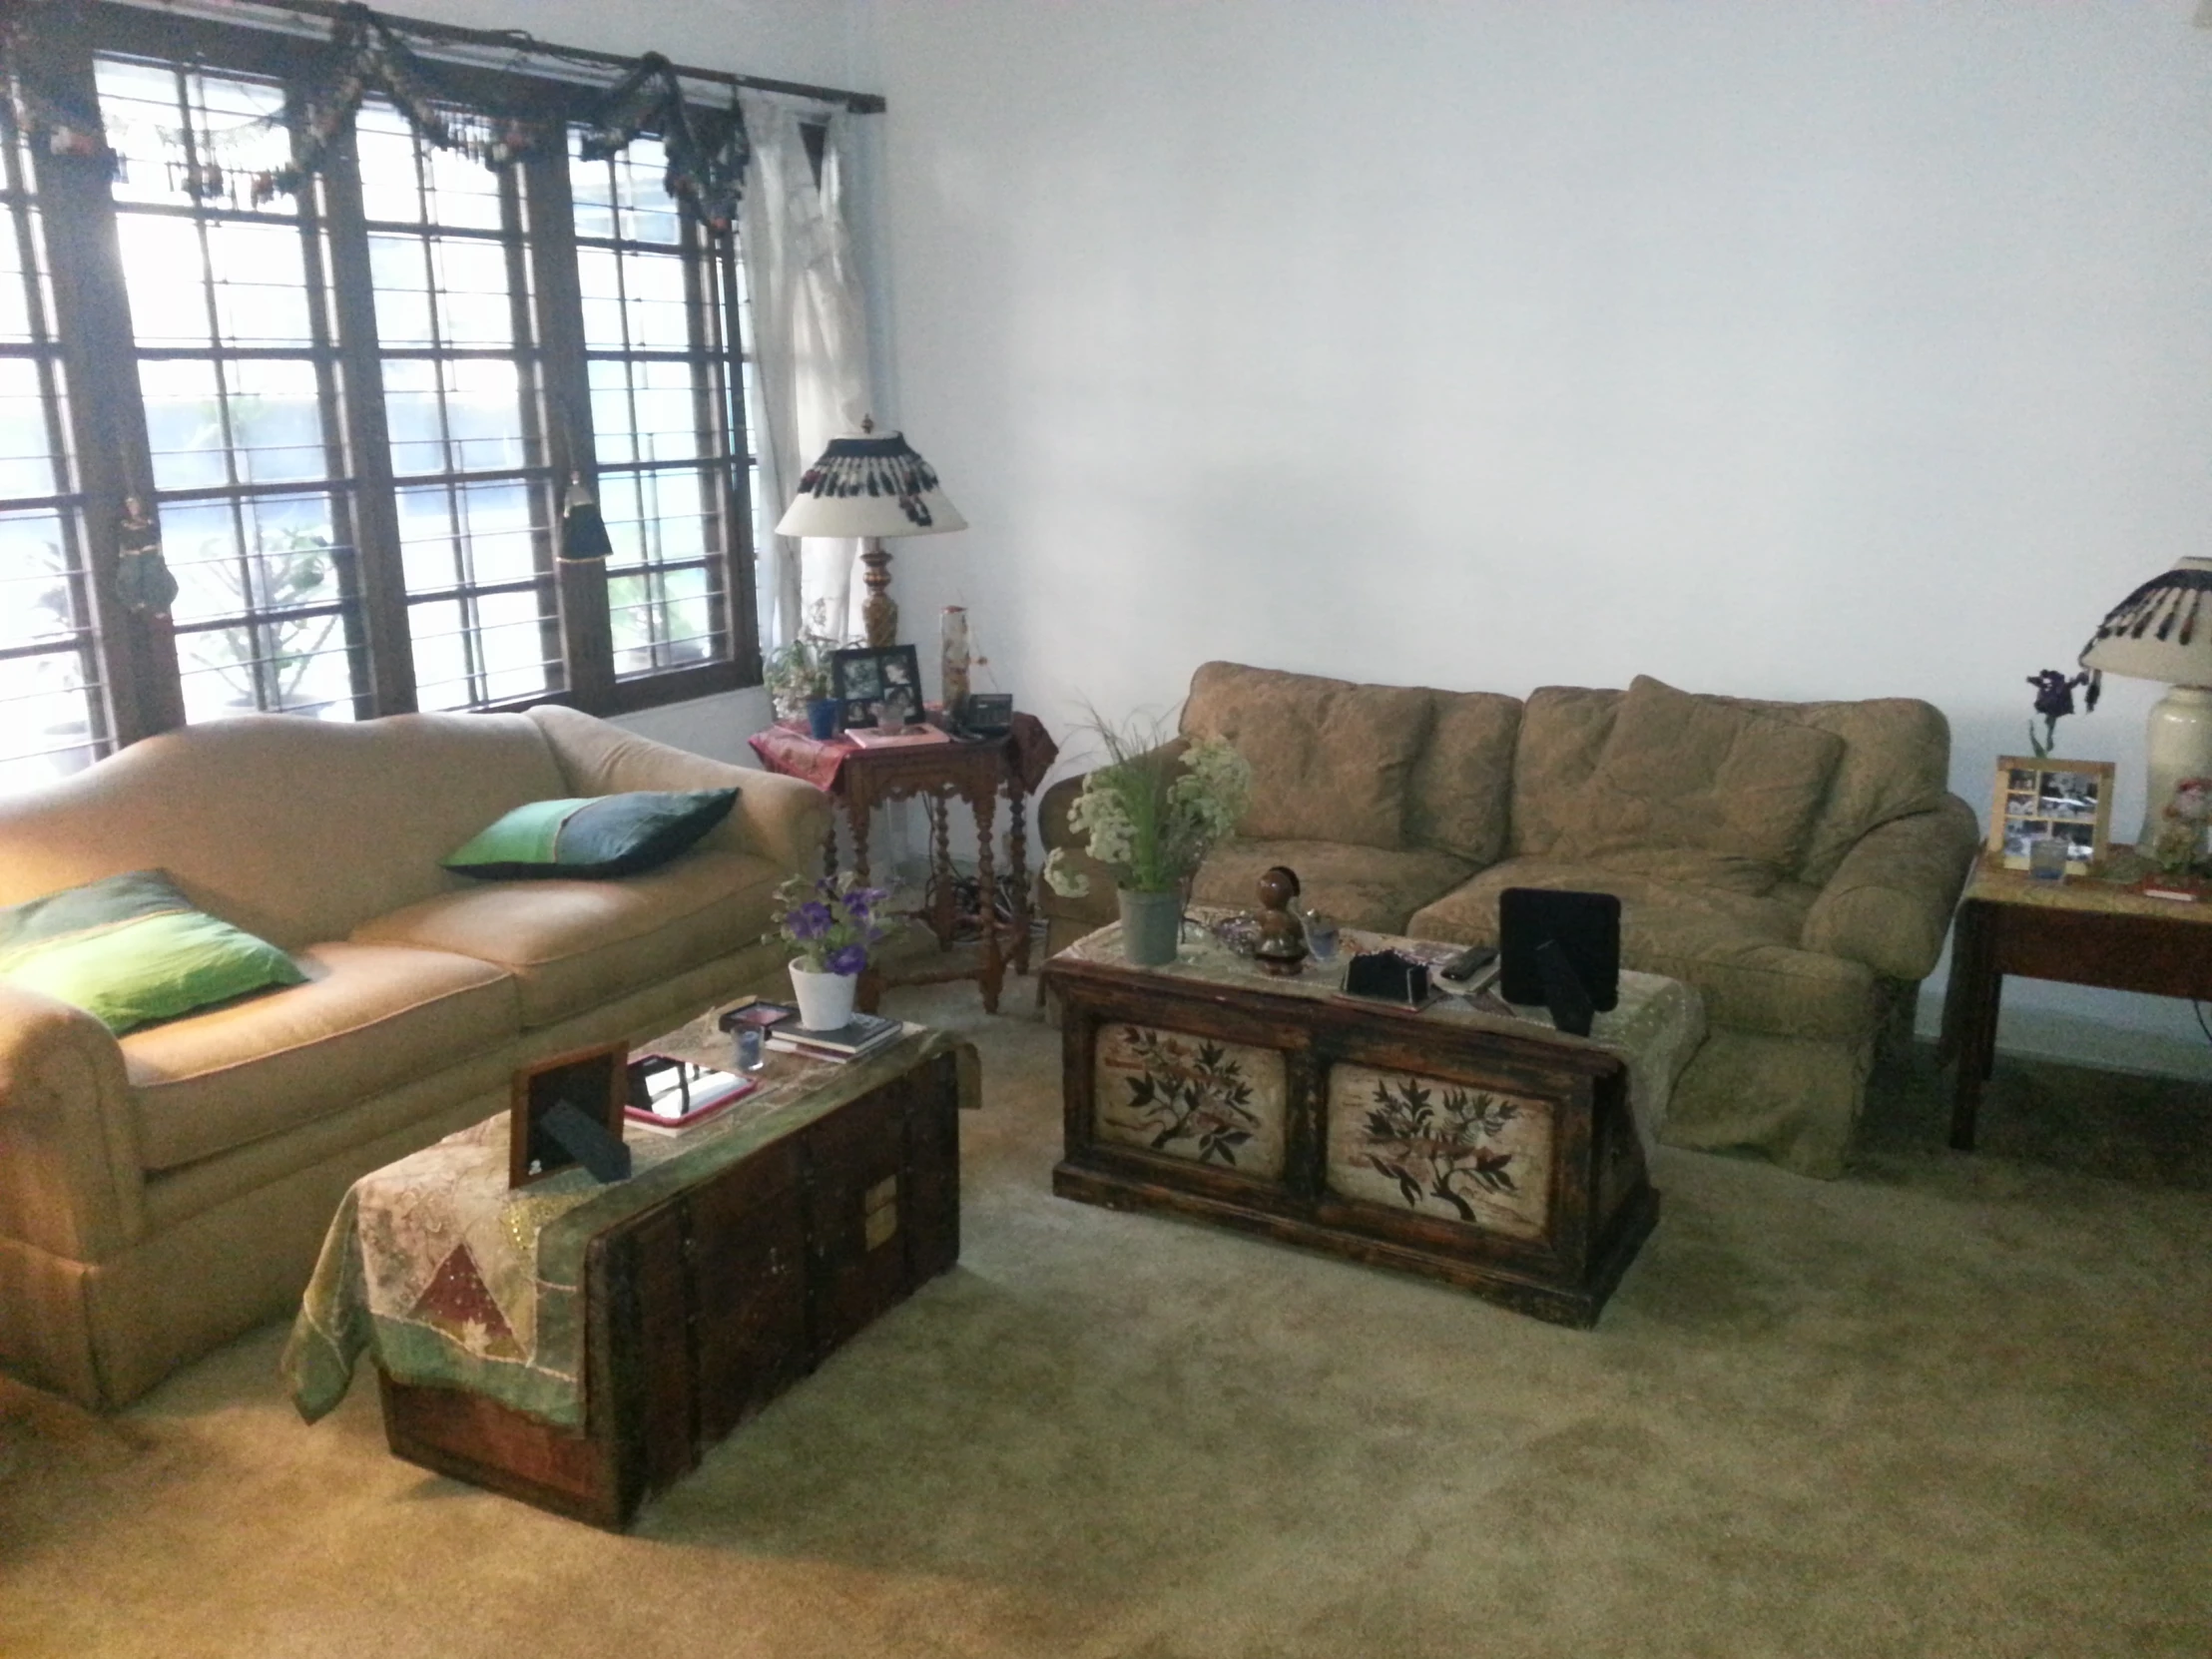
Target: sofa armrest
{"points": [[779, 818], [70, 1181], [1888, 903]]}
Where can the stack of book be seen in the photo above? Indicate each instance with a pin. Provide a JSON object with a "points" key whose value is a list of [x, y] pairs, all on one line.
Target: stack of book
{"points": [[862, 1035]]}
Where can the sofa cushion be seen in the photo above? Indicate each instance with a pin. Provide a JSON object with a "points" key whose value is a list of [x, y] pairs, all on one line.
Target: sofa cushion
{"points": [[1460, 797], [1896, 762], [597, 838], [572, 945], [131, 948], [1331, 760], [1738, 949], [1362, 886], [1563, 730], [1726, 793], [367, 1018]]}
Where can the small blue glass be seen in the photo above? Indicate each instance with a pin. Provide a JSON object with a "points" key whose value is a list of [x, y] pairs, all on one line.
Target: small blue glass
{"points": [[752, 1048]]}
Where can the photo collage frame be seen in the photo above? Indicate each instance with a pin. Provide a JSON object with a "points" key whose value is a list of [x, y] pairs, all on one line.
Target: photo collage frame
{"points": [[2039, 796], [876, 686]]}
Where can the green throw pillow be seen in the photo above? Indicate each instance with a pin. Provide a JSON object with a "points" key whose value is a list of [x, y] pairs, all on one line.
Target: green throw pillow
{"points": [[131, 950], [610, 834]]}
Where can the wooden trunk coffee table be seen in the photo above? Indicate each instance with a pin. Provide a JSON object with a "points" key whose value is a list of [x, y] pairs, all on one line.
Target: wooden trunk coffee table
{"points": [[633, 1325], [1485, 1150]]}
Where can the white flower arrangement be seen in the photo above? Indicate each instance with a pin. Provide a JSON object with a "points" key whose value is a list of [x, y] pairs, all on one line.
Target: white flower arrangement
{"points": [[1151, 816]]}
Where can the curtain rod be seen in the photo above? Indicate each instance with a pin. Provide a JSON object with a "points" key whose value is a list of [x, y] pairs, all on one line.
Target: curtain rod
{"points": [[521, 40]]}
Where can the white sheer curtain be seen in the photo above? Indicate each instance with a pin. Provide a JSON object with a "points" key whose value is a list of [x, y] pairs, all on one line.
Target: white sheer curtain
{"points": [[810, 341]]}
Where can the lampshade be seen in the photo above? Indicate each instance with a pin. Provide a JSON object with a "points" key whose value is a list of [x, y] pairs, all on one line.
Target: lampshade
{"points": [[2161, 631], [869, 484]]}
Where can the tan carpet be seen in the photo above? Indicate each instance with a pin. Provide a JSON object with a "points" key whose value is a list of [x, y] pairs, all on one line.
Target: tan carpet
{"points": [[1948, 1406]]}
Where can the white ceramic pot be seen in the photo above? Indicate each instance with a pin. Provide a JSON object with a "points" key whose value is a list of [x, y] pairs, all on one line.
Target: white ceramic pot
{"points": [[825, 1000]]}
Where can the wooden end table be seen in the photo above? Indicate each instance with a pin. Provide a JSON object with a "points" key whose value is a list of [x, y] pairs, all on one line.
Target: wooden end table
{"points": [[975, 772], [2082, 930]]}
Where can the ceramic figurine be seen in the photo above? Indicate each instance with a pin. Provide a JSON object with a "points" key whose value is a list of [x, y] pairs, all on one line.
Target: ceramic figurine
{"points": [[1281, 948]]}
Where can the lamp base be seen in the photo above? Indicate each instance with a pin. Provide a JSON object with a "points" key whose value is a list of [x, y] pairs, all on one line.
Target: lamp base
{"points": [[2177, 745], [879, 612]]}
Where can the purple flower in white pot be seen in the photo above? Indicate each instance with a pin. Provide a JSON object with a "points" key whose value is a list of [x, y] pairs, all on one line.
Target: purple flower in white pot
{"points": [[827, 924]]}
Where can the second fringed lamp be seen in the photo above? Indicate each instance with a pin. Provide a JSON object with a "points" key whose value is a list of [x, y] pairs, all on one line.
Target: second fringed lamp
{"points": [[2163, 631]]}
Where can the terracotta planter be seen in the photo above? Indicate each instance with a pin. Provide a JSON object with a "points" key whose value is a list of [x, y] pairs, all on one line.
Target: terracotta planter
{"points": [[825, 1000]]}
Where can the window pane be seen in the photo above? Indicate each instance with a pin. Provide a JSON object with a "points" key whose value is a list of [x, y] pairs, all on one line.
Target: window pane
{"points": [[53, 707], [265, 612], [265, 555], [662, 420], [262, 414], [26, 460], [475, 551], [260, 608], [190, 139]]}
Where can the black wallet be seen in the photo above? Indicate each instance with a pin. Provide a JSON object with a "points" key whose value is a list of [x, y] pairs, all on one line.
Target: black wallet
{"points": [[1387, 976]]}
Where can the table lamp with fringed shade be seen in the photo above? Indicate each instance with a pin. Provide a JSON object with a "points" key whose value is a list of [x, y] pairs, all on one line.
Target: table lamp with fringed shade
{"points": [[2163, 631], [871, 485]]}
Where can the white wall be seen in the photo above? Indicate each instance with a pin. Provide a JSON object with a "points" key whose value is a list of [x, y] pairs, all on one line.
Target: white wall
{"points": [[793, 40], [1796, 351], [1799, 351]]}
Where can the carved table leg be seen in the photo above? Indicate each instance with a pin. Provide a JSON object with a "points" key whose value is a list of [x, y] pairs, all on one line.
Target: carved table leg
{"points": [[1017, 858], [985, 801], [944, 911], [859, 816], [830, 849]]}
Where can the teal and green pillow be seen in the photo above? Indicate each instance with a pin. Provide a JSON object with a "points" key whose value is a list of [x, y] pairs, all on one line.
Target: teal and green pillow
{"points": [[132, 948], [603, 835]]}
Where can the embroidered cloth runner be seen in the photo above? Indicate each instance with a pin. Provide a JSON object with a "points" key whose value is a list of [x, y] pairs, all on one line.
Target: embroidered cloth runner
{"points": [[1030, 750], [446, 1277]]}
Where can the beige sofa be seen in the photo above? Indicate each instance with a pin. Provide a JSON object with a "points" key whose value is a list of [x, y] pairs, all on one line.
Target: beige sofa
{"points": [[1797, 862], [161, 1193]]}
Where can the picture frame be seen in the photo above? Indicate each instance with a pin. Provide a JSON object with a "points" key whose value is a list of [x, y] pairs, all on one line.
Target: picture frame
{"points": [[2044, 795], [877, 685], [596, 1081]]}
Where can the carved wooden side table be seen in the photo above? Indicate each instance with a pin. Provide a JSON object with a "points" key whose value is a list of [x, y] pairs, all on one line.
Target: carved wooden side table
{"points": [[972, 771]]}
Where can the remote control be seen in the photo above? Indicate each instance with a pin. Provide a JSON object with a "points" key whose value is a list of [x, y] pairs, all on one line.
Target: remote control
{"points": [[1468, 963]]}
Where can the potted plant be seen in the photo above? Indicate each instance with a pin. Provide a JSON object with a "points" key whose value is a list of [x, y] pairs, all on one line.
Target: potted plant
{"points": [[827, 925], [798, 676], [1150, 815]]}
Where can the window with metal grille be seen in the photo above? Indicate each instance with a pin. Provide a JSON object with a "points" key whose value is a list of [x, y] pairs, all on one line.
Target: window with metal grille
{"points": [[236, 368], [354, 411], [456, 334], [655, 293], [53, 715]]}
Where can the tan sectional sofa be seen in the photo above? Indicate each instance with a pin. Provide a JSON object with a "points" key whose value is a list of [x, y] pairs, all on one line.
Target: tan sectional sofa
{"points": [[161, 1193], [1798, 863]]}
